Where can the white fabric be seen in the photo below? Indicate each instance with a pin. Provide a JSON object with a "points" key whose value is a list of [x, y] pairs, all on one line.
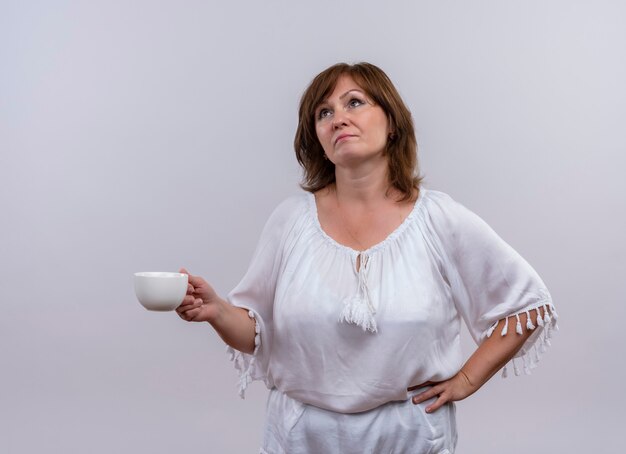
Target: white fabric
{"points": [[441, 265], [396, 427]]}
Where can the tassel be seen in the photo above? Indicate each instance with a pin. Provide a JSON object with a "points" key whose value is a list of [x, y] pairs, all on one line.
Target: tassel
{"points": [[518, 325], [553, 310], [529, 322], [237, 357], [515, 368], [359, 309], [238, 361], [355, 311], [539, 318], [243, 384], [546, 316], [531, 355], [526, 368], [536, 353], [547, 342], [506, 327], [491, 328]]}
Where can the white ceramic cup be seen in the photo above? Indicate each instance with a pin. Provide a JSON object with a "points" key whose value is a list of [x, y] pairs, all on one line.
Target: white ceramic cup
{"points": [[160, 291]]}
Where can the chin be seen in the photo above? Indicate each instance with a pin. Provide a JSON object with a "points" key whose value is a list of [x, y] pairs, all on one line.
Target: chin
{"points": [[350, 155]]}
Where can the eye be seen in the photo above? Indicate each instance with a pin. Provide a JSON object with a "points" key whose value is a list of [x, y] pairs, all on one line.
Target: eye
{"points": [[323, 113], [355, 102]]}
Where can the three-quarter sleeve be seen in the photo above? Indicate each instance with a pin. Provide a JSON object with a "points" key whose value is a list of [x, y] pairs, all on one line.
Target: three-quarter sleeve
{"points": [[255, 293], [489, 281]]}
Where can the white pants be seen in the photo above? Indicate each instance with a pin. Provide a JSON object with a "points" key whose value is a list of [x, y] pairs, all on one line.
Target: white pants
{"points": [[400, 427]]}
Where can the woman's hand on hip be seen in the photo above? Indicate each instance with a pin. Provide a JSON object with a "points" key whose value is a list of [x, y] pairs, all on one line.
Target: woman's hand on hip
{"points": [[456, 388]]}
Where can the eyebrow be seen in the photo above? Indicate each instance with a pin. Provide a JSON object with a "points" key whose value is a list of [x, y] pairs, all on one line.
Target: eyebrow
{"points": [[350, 91], [325, 101]]}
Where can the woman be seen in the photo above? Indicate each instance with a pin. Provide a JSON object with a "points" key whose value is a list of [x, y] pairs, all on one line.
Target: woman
{"points": [[350, 311]]}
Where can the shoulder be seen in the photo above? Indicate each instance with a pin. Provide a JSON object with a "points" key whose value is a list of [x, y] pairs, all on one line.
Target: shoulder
{"points": [[438, 204], [289, 211], [292, 206], [447, 217]]}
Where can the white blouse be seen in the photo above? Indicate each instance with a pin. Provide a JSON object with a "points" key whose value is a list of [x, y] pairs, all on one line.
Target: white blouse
{"points": [[350, 340]]}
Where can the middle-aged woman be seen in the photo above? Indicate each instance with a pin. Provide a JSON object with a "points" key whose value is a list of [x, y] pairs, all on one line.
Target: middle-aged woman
{"points": [[351, 309]]}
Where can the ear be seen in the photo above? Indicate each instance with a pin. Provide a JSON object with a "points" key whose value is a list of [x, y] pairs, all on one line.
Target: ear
{"points": [[391, 129]]}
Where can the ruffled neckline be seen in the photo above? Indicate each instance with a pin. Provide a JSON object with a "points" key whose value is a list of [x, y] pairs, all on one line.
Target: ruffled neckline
{"points": [[312, 210]]}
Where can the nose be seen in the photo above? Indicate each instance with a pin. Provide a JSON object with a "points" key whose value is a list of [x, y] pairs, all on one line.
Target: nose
{"points": [[340, 119]]}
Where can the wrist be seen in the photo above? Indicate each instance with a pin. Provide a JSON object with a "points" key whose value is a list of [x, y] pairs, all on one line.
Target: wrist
{"points": [[220, 310], [471, 381]]}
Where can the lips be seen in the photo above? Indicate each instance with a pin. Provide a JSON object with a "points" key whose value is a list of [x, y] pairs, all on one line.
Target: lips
{"points": [[342, 136]]}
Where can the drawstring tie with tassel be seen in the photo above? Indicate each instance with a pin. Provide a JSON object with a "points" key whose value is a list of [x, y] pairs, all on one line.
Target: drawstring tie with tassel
{"points": [[358, 309]]}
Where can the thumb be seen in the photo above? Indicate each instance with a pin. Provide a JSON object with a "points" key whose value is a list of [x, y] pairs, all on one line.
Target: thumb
{"points": [[195, 281]]}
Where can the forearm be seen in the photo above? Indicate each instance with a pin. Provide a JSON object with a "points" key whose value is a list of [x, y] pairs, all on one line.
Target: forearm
{"points": [[235, 327], [496, 351]]}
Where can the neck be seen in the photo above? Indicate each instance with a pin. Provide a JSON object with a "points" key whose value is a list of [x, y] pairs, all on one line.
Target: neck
{"points": [[364, 185]]}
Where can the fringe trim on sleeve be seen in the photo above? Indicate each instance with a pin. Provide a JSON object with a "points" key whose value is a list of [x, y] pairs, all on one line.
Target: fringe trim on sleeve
{"points": [[244, 363], [535, 346]]}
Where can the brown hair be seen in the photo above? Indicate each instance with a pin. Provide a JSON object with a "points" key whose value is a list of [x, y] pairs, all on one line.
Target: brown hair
{"points": [[401, 149]]}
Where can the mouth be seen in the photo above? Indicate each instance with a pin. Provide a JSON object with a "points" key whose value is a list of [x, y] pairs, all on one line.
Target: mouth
{"points": [[343, 137]]}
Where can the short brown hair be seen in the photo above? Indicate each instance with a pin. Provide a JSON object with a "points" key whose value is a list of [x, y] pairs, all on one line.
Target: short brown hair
{"points": [[401, 149]]}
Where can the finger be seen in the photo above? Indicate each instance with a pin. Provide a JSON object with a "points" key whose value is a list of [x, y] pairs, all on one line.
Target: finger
{"points": [[192, 314], [190, 289], [196, 303], [191, 299], [429, 394], [196, 281], [428, 383], [438, 403], [186, 304], [187, 300], [181, 314]]}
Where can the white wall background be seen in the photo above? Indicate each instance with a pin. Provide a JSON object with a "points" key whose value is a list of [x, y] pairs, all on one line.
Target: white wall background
{"points": [[148, 135]]}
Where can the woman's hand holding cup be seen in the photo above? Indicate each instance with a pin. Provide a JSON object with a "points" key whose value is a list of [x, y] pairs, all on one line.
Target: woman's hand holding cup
{"points": [[201, 304]]}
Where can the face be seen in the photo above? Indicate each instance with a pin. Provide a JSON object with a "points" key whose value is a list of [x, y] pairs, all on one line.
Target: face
{"points": [[350, 126]]}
